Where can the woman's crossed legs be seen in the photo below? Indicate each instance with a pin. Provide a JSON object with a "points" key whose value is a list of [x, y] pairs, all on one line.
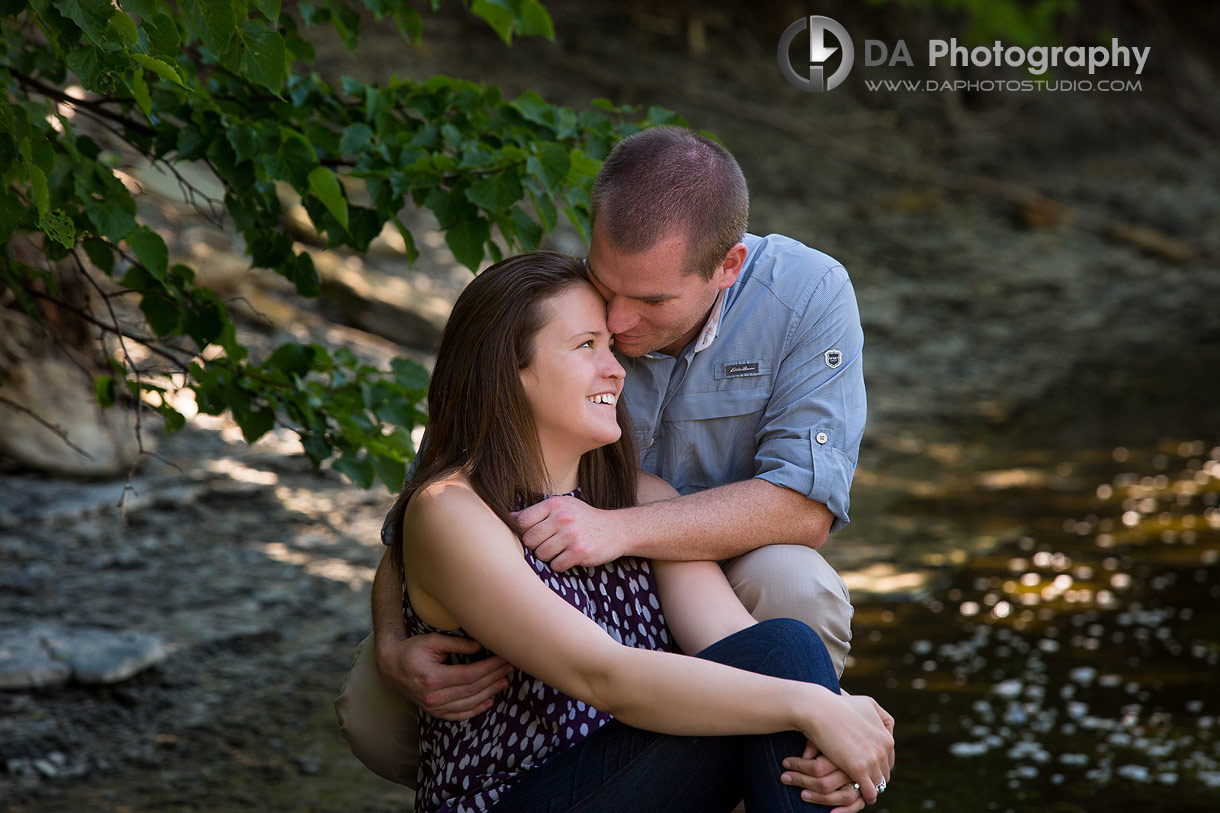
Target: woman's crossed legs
{"points": [[624, 768]]}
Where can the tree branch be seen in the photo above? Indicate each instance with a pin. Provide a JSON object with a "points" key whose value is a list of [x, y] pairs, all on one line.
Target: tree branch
{"points": [[96, 108], [58, 430]]}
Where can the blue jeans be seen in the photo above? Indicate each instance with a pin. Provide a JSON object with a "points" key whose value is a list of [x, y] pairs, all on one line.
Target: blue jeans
{"points": [[624, 768]]}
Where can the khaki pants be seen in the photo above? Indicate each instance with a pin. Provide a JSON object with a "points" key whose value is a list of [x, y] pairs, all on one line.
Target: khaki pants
{"points": [[776, 581]]}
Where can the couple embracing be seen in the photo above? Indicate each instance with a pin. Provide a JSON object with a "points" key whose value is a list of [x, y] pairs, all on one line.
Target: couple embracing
{"points": [[629, 466]]}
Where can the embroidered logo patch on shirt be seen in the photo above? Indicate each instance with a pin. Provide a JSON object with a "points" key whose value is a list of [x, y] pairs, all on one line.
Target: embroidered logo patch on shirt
{"points": [[741, 368], [833, 358]]}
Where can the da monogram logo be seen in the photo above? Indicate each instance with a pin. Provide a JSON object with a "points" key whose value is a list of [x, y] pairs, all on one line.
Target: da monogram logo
{"points": [[819, 52]]}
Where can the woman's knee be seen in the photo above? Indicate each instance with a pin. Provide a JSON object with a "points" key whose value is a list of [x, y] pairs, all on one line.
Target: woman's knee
{"points": [[788, 648]]}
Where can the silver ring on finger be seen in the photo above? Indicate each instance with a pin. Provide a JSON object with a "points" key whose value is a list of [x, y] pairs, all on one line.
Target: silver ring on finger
{"points": [[881, 787], [859, 792]]}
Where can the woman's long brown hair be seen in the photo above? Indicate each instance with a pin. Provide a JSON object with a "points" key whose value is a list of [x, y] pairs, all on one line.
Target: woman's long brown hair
{"points": [[479, 419]]}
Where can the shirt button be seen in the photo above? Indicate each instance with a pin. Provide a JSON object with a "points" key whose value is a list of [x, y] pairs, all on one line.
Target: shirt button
{"points": [[821, 437]]}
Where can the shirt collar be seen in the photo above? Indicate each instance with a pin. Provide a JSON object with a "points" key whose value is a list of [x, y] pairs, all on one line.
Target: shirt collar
{"points": [[712, 326]]}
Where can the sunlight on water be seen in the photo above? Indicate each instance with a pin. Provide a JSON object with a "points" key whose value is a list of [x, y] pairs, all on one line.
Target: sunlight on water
{"points": [[1076, 667]]}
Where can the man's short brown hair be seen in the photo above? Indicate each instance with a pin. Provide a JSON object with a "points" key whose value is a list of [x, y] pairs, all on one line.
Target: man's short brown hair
{"points": [[665, 179]]}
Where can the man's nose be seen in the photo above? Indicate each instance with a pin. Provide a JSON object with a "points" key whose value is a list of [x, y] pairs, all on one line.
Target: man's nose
{"points": [[620, 317]]}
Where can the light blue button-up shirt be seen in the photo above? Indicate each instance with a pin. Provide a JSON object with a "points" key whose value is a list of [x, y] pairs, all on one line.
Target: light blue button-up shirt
{"points": [[772, 388]]}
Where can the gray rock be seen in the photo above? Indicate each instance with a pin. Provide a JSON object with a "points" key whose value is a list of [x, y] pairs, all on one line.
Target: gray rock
{"points": [[25, 663], [103, 441], [99, 656], [46, 655]]}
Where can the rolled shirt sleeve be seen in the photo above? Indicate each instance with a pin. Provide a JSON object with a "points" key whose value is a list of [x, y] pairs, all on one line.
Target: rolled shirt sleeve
{"points": [[809, 436]]}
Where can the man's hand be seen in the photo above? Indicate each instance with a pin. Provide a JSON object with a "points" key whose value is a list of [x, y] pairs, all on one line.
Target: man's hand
{"points": [[567, 532], [821, 781], [417, 666]]}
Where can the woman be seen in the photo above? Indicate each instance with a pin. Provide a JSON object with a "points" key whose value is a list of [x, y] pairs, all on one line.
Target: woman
{"points": [[600, 714]]}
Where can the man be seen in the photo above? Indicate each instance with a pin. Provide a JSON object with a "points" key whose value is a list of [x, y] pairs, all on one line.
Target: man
{"points": [[745, 390]]}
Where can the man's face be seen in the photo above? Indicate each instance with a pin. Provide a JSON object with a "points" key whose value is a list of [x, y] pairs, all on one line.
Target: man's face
{"points": [[653, 300]]}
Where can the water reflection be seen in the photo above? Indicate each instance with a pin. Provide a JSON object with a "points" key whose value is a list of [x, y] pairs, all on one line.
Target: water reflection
{"points": [[1074, 668]]}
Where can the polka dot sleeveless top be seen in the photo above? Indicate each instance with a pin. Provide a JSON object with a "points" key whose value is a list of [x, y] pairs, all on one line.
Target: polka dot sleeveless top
{"points": [[467, 766]]}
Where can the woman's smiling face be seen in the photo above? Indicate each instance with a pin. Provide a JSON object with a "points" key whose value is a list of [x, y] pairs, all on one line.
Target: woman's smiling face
{"points": [[574, 381]]}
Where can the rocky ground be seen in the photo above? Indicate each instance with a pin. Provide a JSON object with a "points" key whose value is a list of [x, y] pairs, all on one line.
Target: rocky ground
{"points": [[1033, 271]]}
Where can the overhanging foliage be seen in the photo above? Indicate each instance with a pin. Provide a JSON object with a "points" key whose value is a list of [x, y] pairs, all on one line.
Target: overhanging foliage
{"points": [[228, 83]]}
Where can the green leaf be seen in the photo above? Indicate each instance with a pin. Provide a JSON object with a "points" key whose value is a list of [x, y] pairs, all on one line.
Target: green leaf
{"points": [[243, 140], [59, 227], [162, 33], [496, 192], [547, 212], [150, 250], [292, 359], [125, 26], [466, 240], [163, 316], [142, 8], [139, 92], [38, 185], [8, 150], [528, 229], [263, 57], [450, 207], [408, 240], [113, 214], [103, 388], [498, 16], [206, 324], [354, 138], [294, 160], [174, 420], [410, 375], [11, 211], [324, 184], [358, 469], [535, 20], [269, 8], [90, 15], [551, 164], [100, 254], [409, 24], [582, 167], [255, 424], [390, 471], [534, 108], [85, 64], [160, 67], [212, 21], [302, 273]]}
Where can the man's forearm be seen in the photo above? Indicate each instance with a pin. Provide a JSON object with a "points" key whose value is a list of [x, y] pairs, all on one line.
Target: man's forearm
{"points": [[726, 521], [387, 602]]}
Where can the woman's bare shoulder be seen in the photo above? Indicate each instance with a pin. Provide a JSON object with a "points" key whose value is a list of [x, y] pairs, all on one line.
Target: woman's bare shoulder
{"points": [[448, 502], [653, 489]]}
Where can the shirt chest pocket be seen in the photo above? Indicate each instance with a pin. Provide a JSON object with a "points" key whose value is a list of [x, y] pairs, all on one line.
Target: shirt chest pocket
{"points": [[712, 437], [706, 406]]}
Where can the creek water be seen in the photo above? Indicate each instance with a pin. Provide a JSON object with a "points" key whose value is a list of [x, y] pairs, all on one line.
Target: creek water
{"points": [[1070, 663]]}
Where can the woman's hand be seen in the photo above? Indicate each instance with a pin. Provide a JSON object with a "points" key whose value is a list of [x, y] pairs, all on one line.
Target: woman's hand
{"points": [[851, 742]]}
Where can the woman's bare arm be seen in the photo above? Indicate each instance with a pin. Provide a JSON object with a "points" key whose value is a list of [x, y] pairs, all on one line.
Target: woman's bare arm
{"points": [[472, 571], [699, 604]]}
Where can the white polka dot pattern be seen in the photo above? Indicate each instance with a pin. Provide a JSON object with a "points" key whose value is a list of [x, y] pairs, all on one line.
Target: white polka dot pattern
{"points": [[468, 766]]}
